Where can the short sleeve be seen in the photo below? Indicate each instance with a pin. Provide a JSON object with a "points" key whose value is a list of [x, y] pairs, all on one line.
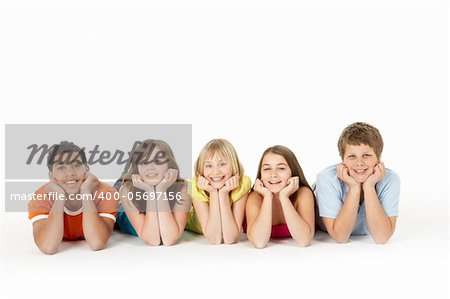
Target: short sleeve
{"points": [[107, 201], [388, 191], [329, 195], [243, 188], [39, 207]]}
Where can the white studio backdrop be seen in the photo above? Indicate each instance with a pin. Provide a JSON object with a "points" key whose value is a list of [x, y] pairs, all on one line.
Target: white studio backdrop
{"points": [[255, 73]]}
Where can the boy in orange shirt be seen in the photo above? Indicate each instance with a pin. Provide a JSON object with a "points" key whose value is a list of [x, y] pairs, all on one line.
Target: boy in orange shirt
{"points": [[73, 205]]}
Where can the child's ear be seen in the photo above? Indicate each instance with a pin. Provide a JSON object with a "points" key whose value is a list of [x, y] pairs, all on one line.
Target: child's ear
{"points": [[50, 175]]}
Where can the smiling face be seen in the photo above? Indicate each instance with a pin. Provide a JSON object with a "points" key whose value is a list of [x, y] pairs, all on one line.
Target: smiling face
{"points": [[153, 168], [360, 161], [275, 172], [69, 172], [217, 171]]}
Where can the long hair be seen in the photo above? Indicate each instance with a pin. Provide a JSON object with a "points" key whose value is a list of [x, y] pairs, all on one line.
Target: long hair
{"points": [[143, 152], [293, 164]]}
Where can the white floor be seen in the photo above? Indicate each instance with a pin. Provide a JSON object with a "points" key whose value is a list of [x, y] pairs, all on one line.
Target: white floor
{"points": [[415, 262]]}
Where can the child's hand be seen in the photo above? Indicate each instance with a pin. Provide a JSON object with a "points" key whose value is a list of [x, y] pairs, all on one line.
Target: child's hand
{"points": [[261, 189], [230, 184], [54, 190], [170, 177], [290, 188], [204, 184], [139, 183], [89, 184], [379, 172], [343, 175]]}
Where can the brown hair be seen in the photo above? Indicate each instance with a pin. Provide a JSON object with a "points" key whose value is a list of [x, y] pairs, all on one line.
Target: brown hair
{"points": [[293, 164], [143, 151], [361, 133]]}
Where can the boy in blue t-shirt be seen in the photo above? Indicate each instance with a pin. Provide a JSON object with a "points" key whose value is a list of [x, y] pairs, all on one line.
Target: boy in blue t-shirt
{"points": [[359, 195]]}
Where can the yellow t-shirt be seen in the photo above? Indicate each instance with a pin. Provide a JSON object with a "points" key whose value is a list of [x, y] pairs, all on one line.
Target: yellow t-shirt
{"points": [[193, 223]]}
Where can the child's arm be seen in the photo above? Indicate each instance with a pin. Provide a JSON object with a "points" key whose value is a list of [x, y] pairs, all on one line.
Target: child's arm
{"points": [[146, 225], [48, 233], [259, 215], [381, 226], [231, 215], [172, 223], [209, 216], [96, 229], [299, 218], [341, 228]]}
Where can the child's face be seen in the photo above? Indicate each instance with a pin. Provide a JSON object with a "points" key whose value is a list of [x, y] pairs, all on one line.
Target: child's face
{"points": [[217, 171], [153, 168], [275, 172], [360, 161], [69, 172]]}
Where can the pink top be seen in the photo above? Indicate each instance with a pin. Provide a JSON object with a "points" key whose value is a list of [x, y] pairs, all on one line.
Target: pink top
{"points": [[278, 230]]}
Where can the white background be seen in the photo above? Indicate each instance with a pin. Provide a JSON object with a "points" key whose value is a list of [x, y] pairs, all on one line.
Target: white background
{"points": [[257, 74]]}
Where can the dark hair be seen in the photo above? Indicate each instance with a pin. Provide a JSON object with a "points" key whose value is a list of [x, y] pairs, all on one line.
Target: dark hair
{"points": [[292, 163], [143, 151], [62, 148]]}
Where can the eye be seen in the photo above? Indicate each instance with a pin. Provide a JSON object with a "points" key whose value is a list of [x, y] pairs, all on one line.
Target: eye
{"points": [[208, 166], [223, 164], [367, 155], [281, 168], [265, 169], [351, 156]]}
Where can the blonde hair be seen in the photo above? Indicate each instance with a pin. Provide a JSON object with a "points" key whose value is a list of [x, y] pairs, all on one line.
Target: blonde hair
{"points": [[361, 133], [225, 150]]}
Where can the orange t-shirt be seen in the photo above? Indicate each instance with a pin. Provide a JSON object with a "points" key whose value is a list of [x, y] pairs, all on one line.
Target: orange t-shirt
{"points": [[104, 199]]}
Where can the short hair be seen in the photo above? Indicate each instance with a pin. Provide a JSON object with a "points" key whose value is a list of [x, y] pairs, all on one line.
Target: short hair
{"points": [[62, 148], [361, 133], [226, 150]]}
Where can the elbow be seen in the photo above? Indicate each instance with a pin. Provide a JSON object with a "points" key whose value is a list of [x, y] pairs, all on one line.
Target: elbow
{"points": [[97, 245], [304, 243], [152, 241], [215, 240], [48, 249], [381, 241], [169, 241], [229, 240], [259, 245], [340, 239]]}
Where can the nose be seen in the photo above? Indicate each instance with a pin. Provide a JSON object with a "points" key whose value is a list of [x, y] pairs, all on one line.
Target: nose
{"points": [[359, 162], [70, 171], [273, 174]]}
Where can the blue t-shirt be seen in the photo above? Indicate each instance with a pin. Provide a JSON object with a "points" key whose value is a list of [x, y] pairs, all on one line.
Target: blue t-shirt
{"points": [[123, 223], [331, 193]]}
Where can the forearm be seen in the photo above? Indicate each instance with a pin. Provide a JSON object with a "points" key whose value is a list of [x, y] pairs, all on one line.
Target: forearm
{"points": [[378, 222], [213, 227], [150, 228], [258, 232], [346, 219], [168, 226], [95, 229], [301, 231], [230, 229], [50, 234]]}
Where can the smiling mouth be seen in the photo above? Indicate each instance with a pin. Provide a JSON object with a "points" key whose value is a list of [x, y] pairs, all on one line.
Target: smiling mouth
{"points": [[217, 179], [151, 175], [360, 171], [274, 183], [71, 183]]}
